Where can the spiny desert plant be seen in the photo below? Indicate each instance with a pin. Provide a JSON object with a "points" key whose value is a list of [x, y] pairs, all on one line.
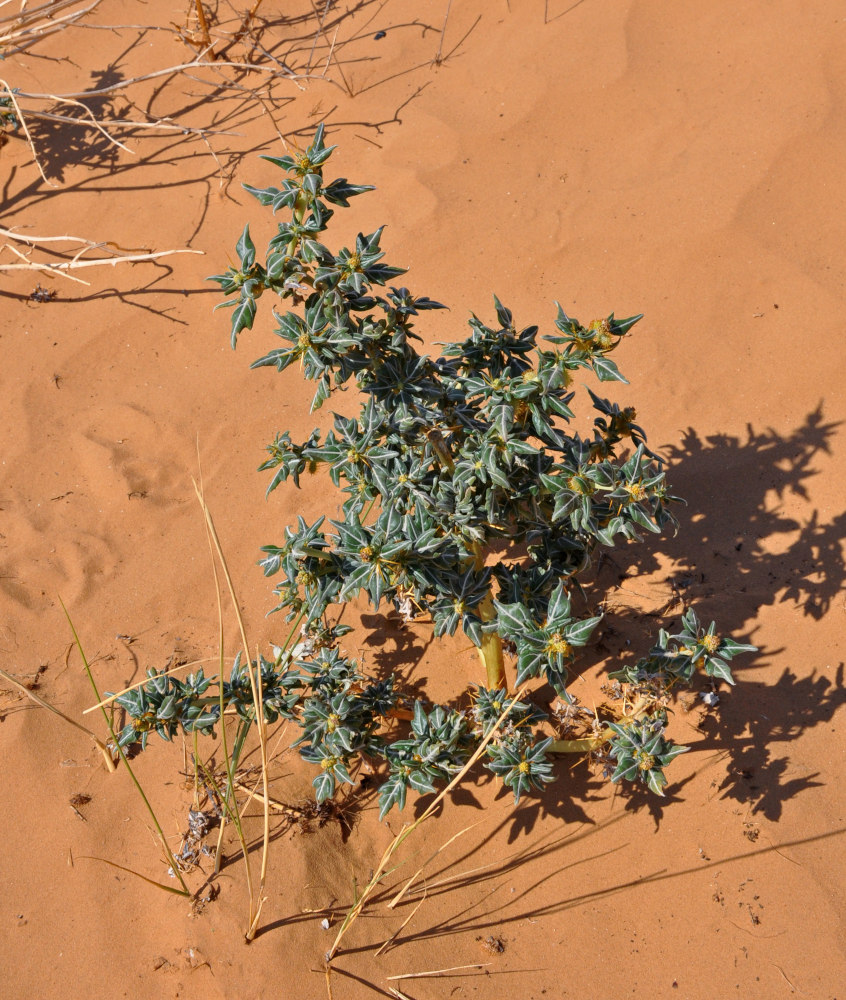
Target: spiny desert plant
{"points": [[467, 498]]}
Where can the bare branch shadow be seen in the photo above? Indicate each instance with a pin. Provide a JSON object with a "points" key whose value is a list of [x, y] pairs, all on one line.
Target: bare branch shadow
{"points": [[509, 910], [149, 291], [227, 98], [61, 145]]}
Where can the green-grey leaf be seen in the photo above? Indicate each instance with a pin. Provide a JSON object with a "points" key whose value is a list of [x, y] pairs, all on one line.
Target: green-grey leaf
{"points": [[246, 249]]}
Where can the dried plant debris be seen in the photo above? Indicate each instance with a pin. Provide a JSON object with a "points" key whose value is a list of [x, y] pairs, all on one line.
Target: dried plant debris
{"points": [[199, 823], [492, 945], [39, 294], [193, 849], [77, 801], [311, 815], [34, 679]]}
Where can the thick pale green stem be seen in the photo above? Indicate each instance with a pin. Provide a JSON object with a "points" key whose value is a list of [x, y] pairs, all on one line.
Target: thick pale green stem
{"points": [[300, 207], [589, 743], [491, 649], [580, 746], [491, 656]]}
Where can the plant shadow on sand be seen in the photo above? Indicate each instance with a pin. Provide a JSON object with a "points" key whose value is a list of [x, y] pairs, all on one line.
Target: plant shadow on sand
{"points": [[510, 911], [735, 555], [741, 553]]}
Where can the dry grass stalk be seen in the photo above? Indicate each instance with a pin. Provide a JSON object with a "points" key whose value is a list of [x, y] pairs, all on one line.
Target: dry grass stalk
{"points": [[144, 878], [397, 899], [321, 31], [461, 875], [439, 57], [229, 762], [439, 972], [460, 42], [406, 831], [174, 865], [223, 740], [396, 933], [548, 20], [261, 724], [146, 680], [101, 746], [253, 794]]}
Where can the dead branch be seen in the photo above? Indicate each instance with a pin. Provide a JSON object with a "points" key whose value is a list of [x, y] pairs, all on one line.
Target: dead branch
{"points": [[123, 255], [20, 117], [28, 25], [170, 70]]}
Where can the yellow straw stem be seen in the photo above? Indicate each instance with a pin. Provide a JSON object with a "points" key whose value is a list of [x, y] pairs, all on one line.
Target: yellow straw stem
{"points": [[101, 746], [490, 651], [589, 743], [258, 704]]}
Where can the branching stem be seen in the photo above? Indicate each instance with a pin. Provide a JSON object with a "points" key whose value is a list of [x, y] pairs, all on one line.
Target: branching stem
{"points": [[490, 650], [589, 743]]}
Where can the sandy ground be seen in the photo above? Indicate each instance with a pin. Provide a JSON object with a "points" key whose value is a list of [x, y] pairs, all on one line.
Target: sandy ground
{"points": [[683, 160]]}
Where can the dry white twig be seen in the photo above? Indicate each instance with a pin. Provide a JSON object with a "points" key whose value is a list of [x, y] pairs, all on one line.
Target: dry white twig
{"points": [[20, 116], [129, 123], [24, 29], [123, 255], [439, 972]]}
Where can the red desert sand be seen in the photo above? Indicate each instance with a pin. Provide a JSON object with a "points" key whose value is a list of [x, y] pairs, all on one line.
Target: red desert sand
{"points": [[684, 160]]}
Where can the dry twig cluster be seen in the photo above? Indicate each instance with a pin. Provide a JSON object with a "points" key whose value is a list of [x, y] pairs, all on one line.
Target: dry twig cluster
{"points": [[73, 257]]}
